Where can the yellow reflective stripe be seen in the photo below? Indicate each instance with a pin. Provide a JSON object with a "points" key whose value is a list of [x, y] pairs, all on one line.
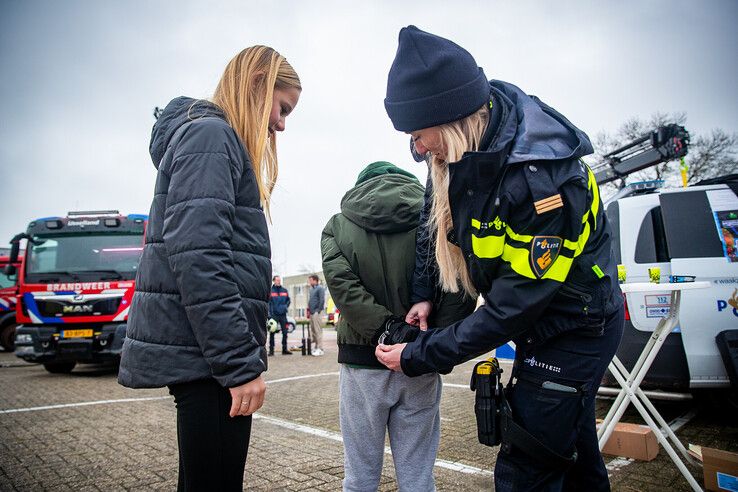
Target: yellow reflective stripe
{"points": [[579, 245], [518, 237], [595, 207], [488, 247], [492, 246], [519, 260], [560, 269]]}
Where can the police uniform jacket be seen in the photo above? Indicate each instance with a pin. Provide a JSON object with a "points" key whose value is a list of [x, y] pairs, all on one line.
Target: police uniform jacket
{"points": [[528, 218]]}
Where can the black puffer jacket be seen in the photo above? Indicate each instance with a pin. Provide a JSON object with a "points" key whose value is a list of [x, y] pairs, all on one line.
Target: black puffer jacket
{"points": [[202, 287]]}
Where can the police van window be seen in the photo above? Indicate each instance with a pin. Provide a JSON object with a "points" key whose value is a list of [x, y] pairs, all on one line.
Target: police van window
{"points": [[651, 246], [690, 225]]}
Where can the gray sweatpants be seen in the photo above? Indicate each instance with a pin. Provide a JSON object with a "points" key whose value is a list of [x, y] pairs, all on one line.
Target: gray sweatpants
{"points": [[373, 401]]}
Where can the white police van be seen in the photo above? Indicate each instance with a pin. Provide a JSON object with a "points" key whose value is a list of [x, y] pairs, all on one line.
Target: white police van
{"points": [[686, 232]]}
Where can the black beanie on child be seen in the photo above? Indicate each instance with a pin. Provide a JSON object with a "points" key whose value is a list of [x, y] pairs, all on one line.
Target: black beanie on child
{"points": [[432, 81]]}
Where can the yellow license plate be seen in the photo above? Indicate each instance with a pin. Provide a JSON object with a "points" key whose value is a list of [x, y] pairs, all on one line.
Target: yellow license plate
{"points": [[76, 333]]}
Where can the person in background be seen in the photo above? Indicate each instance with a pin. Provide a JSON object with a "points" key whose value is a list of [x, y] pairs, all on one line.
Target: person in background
{"points": [[368, 259], [197, 322], [515, 216], [316, 306], [279, 302]]}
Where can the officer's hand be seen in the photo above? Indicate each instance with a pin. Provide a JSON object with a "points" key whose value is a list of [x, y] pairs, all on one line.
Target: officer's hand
{"points": [[247, 398], [390, 355], [418, 314]]}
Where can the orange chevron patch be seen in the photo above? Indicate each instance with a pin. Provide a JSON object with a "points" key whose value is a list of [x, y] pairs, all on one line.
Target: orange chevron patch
{"points": [[547, 204]]}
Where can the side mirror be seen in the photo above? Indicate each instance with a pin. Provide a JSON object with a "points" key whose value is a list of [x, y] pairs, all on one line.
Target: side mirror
{"points": [[10, 270]]}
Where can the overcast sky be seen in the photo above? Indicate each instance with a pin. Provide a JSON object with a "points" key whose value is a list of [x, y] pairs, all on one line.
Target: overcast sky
{"points": [[79, 80]]}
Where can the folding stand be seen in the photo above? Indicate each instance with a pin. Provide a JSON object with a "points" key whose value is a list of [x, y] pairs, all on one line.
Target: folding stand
{"points": [[630, 381]]}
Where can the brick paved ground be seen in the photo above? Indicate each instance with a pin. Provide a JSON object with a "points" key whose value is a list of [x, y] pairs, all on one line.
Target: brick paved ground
{"points": [[295, 441]]}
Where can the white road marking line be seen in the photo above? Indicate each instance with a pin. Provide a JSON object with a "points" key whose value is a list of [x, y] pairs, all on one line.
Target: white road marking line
{"points": [[128, 400], [680, 422], [335, 436], [15, 364], [453, 385], [83, 404], [306, 376], [618, 463]]}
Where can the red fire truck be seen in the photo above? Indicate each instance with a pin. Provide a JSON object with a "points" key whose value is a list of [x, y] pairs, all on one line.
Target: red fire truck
{"points": [[75, 286], [8, 296]]}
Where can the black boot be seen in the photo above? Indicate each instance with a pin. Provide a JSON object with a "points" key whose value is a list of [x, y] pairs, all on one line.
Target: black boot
{"points": [[286, 352]]}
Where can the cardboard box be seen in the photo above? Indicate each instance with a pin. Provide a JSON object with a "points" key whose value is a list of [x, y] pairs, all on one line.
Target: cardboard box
{"points": [[632, 441], [721, 469]]}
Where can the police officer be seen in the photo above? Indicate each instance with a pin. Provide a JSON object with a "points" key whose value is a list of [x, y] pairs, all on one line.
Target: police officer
{"points": [[514, 216]]}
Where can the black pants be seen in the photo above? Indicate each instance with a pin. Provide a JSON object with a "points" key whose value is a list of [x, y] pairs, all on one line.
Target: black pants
{"points": [[560, 420], [212, 445], [282, 320]]}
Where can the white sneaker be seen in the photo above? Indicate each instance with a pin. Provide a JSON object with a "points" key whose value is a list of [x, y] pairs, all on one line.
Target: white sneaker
{"points": [[318, 352]]}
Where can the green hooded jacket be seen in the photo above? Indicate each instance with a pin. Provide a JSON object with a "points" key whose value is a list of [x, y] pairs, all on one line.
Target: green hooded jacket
{"points": [[368, 259]]}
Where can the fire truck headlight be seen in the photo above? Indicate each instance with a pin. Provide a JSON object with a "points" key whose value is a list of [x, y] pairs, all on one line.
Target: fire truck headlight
{"points": [[23, 338]]}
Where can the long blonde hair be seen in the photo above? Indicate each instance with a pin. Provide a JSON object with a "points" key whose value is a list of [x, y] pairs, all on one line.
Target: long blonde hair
{"points": [[457, 137], [245, 93]]}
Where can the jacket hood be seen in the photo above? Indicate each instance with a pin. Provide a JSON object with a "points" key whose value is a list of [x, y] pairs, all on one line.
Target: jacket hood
{"points": [[535, 131], [384, 204], [178, 112]]}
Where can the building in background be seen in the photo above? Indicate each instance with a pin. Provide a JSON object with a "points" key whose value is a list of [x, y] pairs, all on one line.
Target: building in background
{"points": [[297, 286]]}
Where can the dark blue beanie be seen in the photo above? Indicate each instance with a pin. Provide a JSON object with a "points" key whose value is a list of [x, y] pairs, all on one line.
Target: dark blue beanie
{"points": [[432, 81]]}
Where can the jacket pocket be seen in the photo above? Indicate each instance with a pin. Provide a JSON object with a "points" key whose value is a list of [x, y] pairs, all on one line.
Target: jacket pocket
{"points": [[589, 305], [549, 394]]}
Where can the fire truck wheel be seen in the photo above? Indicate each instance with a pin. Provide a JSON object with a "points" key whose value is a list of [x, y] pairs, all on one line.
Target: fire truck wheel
{"points": [[59, 367], [7, 337]]}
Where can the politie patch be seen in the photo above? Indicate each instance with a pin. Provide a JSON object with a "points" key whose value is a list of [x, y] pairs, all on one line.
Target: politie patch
{"points": [[543, 252]]}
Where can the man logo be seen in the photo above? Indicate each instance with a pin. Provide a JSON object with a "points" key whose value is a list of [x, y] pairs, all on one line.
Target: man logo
{"points": [[77, 309], [543, 252]]}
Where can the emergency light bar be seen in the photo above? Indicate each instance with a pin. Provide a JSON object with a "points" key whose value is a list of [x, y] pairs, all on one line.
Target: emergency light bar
{"points": [[88, 213]]}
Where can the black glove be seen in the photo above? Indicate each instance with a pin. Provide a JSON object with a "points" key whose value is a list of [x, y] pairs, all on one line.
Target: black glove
{"points": [[397, 331]]}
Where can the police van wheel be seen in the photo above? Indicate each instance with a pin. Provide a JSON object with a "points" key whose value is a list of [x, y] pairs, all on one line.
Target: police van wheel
{"points": [[59, 367]]}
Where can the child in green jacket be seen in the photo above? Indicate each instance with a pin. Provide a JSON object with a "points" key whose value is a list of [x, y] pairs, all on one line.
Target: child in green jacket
{"points": [[368, 260]]}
